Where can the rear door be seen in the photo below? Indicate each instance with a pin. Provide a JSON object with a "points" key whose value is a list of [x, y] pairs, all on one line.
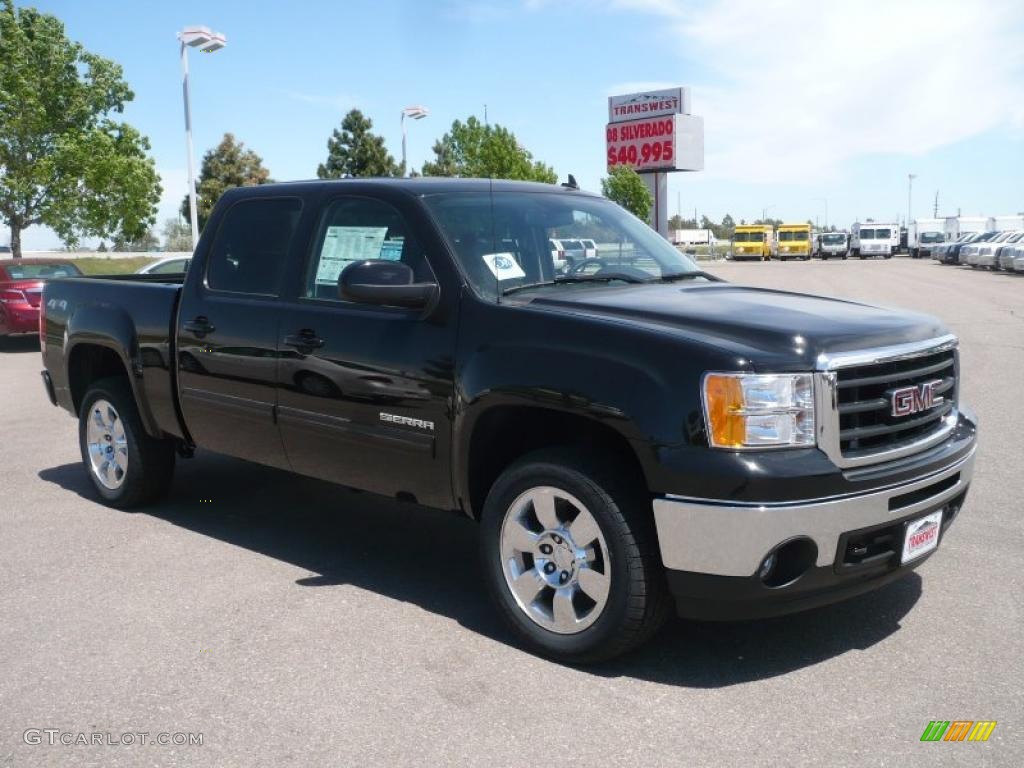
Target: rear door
{"points": [[364, 391], [227, 331]]}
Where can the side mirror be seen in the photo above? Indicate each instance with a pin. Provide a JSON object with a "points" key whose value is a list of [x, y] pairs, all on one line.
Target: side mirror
{"points": [[386, 283]]}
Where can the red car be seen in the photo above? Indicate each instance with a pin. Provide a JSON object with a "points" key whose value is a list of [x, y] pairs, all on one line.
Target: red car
{"points": [[21, 286]]}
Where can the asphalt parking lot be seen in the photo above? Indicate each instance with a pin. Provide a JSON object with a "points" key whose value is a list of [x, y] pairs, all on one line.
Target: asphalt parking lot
{"points": [[292, 622]]}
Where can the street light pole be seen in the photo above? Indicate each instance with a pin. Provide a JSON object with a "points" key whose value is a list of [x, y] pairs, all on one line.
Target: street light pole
{"points": [[193, 211], [764, 212], [207, 42], [416, 112]]}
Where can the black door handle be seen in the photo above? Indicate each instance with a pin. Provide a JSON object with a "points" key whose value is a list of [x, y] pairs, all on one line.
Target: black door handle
{"points": [[304, 340], [199, 327]]}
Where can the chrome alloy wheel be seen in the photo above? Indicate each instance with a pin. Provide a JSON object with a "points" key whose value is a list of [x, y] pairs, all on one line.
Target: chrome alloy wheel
{"points": [[555, 560], [108, 445]]}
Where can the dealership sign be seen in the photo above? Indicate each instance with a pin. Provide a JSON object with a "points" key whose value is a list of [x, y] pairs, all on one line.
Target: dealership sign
{"points": [[671, 143], [653, 131], [631, 106]]}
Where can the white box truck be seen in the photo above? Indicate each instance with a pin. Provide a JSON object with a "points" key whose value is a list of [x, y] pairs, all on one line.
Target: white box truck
{"points": [[923, 235], [962, 225], [1008, 223], [874, 238]]}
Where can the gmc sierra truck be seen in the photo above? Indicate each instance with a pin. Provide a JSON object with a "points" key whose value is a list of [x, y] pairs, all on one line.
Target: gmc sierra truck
{"points": [[631, 432]]}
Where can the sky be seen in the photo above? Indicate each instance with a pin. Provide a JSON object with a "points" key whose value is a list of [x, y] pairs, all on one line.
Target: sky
{"points": [[811, 109]]}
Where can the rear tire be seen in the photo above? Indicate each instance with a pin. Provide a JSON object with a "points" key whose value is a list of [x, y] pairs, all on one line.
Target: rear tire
{"points": [[127, 467], [592, 519]]}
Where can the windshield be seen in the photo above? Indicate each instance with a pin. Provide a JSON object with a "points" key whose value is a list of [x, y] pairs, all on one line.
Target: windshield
{"points": [[786, 237], [986, 237], [931, 237], [501, 242], [833, 239], [749, 237], [40, 271]]}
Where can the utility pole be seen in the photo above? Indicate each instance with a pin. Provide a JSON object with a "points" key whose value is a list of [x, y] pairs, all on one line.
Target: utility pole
{"points": [[935, 210], [910, 192]]}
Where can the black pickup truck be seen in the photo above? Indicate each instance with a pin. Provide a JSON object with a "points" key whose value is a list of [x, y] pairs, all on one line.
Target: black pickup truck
{"points": [[629, 431]]}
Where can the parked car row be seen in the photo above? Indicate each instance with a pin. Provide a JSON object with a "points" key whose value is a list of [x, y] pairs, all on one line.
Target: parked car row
{"points": [[570, 252], [800, 241], [985, 250], [22, 281], [21, 286]]}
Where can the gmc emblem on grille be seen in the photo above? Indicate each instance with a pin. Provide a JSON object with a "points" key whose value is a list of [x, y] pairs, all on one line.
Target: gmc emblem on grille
{"points": [[910, 400]]}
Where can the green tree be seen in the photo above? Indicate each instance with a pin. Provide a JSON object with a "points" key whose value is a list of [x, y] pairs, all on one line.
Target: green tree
{"points": [[356, 151], [727, 228], [625, 187], [102, 247], [177, 235], [64, 163], [227, 165], [146, 242], [474, 150]]}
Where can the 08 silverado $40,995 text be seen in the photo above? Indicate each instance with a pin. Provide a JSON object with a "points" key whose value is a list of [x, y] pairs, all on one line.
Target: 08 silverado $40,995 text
{"points": [[629, 431]]}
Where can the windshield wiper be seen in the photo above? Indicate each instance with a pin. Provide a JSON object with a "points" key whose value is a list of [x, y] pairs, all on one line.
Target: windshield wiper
{"points": [[603, 277]]}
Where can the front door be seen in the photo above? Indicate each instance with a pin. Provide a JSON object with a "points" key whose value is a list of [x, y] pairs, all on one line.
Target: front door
{"points": [[364, 391], [227, 332]]}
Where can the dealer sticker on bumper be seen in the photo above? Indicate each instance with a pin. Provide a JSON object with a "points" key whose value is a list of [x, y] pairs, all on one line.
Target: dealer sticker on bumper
{"points": [[922, 536]]}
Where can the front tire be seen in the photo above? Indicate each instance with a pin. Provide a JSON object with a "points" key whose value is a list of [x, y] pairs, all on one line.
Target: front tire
{"points": [[127, 467], [570, 556]]}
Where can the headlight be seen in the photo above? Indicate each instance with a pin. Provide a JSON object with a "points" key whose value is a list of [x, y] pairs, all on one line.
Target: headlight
{"points": [[759, 411]]}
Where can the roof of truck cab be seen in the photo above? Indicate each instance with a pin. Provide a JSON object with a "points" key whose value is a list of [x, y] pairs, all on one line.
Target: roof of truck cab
{"points": [[418, 186], [795, 226]]}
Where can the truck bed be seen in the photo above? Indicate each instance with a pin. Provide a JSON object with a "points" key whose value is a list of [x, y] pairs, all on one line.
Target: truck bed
{"points": [[139, 311]]}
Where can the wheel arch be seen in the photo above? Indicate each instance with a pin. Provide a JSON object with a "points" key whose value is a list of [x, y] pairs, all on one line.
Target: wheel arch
{"points": [[501, 434], [102, 341]]}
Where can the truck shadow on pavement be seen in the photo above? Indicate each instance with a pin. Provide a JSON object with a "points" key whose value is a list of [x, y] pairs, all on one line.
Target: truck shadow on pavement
{"points": [[428, 558], [19, 344]]}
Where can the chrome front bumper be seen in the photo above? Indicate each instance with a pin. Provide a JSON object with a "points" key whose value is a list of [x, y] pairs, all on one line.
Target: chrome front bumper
{"points": [[729, 539]]}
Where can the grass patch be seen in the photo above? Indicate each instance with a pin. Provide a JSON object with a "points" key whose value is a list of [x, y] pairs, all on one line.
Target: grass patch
{"points": [[104, 265]]}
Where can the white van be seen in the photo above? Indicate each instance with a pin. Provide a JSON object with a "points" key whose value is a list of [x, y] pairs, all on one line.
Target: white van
{"points": [[875, 239]]}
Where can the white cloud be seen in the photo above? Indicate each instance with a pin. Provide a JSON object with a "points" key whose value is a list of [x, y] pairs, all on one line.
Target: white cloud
{"points": [[799, 88]]}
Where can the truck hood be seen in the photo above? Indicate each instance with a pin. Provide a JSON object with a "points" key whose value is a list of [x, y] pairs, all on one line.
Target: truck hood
{"points": [[772, 329]]}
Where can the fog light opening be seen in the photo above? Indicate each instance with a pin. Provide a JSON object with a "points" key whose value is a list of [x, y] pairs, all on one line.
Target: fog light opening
{"points": [[787, 562]]}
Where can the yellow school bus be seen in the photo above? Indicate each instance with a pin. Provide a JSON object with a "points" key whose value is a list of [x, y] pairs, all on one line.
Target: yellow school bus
{"points": [[794, 241], [753, 241]]}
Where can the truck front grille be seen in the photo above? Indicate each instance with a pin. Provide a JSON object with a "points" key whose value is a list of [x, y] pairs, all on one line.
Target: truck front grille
{"points": [[865, 404]]}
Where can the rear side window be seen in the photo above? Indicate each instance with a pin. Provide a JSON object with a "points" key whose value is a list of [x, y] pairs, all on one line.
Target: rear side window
{"points": [[252, 244]]}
